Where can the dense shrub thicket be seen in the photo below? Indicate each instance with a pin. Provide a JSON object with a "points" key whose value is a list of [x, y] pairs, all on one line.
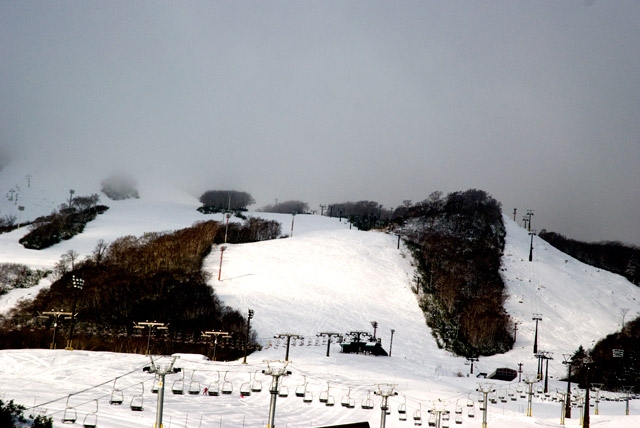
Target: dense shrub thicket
{"points": [[156, 276], [611, 256], [232, 200], [458, 242], [287, 207], [61, 225], [14, 275]]}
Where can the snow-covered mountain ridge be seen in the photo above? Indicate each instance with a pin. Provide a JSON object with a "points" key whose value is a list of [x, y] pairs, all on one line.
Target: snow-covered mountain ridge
{"points": [[325, 277]]}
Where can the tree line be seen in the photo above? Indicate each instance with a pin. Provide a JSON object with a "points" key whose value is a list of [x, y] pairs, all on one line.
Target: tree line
{"points": [[156, 276], [458, 241]]}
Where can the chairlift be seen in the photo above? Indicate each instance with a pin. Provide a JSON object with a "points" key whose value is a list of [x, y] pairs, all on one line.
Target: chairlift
{"points": [[117, 397], [91, 419], [227, 386], [347, 401], [445, 415], [214, 387], [137, 401], [458, 408], [283, 391], [245, 388], [470, 402], [308, 397], [417, 416], [156, 384], [301, 389], [330, 401], [256, 385], [324, 395], [471, 412], [70, 414], [178, 385], [432, 419], [367, 403], [402, 409], [458, 419], [194, 385]]}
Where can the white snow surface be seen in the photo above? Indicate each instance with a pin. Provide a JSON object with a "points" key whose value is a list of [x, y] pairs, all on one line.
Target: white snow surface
{"points": [[326, 277]]}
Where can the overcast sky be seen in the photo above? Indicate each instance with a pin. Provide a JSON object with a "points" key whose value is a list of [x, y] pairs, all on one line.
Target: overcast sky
{"points": [[535, 102]]}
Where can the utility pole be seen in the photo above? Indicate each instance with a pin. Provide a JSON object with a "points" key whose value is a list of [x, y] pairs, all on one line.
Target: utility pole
{"points": [[208, 334], [246, 341], [289, 336], [531, 245], [161, 372], [485, 389], [78, 283], [384, 390], [536, 318], [276, 372], [56, 315], [150, 325], [391, 343], [514, 213], [329, 335], [224, 247], [529, 214], [547, 356], [568, 361], [293, 217]]}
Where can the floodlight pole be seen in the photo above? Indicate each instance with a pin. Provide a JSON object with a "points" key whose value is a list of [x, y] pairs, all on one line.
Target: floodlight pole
{"points": [[329, 336], [78, 283], [288, 336], [226, 227], [246, 341], [374, 324]]}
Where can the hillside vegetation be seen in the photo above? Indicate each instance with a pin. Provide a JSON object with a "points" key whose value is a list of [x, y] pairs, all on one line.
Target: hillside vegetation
{"points": [[458, 241], [154, 277]]}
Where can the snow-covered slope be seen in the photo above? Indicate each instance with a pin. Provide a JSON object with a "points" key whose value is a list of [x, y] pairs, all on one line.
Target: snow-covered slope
{"points": [[326, 277]]}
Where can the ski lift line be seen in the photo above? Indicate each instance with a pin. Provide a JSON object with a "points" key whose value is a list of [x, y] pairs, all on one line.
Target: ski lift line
{"points": [[86, 389]]}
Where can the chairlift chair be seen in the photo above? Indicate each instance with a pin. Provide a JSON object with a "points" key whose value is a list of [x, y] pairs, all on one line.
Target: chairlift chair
{"points": [[308, 397], [301, 389], [194, 385], [347, 401], [155, 387], [402, 410], [417, 416], [283, 391], [70, 414], [458, 408], [227, 386], [117, 397], [471, 412], [458, 419], [432, 419], [91, 419], [137, 401], [330, 401], [245, 388], [470, 402], [214, 387], [256, 385], [178, 385], [367, 403], [324, 395]]}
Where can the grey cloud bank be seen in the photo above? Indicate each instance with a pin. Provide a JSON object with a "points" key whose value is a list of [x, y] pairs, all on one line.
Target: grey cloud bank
{"points": [[535, 102]]}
